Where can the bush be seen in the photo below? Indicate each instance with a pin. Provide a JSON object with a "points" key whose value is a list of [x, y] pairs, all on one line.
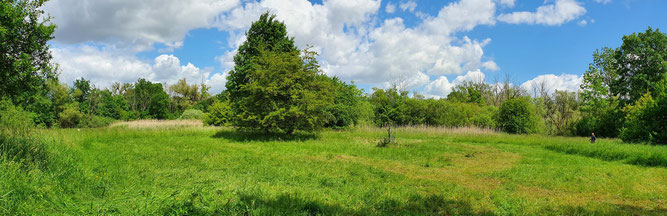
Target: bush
{"points": [[366, 114], [218, 114], [192, 114], [344, 112], [646, 120], [457, 114], [605, 122], [518, 116], [14, 119], [70, 117]]}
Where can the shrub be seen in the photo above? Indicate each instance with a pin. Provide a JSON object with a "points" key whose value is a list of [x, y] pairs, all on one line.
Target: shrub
{"points": [[70, 117], [218, 114], [518, 116], [344, 112], [646, 120], [192, 114], [14, 119], [458, 114]]}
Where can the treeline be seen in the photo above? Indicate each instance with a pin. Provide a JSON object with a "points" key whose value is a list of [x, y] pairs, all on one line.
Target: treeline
{"points": [[84, 105], [277, 88], [503, 106]]}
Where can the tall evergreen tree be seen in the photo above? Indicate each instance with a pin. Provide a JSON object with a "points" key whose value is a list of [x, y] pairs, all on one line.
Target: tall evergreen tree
{"points": [[274, 88], [268, 34]]}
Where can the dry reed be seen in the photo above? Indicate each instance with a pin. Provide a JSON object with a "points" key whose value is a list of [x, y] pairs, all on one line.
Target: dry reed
{"points": [[158, 123], [434, 129]]}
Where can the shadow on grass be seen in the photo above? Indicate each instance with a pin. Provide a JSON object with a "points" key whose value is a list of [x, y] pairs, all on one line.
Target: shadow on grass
{"points": [[250, 136], [248, 203], [619, 209], [288, 204], [644, 158]]}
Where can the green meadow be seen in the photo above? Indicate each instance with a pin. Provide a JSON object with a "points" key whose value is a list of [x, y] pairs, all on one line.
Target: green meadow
{"points": [[186, 170]]}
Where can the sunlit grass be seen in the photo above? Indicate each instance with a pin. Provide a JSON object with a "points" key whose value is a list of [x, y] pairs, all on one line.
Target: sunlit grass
{"points": [[430, 171]]}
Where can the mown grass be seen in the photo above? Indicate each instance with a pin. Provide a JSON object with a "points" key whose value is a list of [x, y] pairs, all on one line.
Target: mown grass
{"points": [[204, 171], [604, 149]]}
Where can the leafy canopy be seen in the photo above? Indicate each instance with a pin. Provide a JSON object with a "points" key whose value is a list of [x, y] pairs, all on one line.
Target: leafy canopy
{"points": [[25, 62], [273, 88], [518, 116]]}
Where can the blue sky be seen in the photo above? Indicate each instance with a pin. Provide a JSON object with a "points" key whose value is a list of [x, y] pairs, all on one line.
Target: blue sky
{"points": [[423, 46]]}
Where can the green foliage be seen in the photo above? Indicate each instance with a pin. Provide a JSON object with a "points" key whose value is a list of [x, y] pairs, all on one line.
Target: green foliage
{"points": [[25, 58], [365, 111], [272, 88], [70, 117], [470, 92], [646, 120], [59, 96], [192, 114], [560, 111], [284, 95], [17, 143], [112, 106], [457, 114], [185, 96], [205, 103], [265, 34], [641, 63], [603, 124], [518, 116], [345, 109], [598, 78], [389, 106], [619, 78], [42, 108], [14, 119], [600, 109], [81, 91], [151, 99], [219, 114]]}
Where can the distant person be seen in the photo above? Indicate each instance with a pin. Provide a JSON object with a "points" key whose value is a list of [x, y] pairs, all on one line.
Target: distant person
{"points": [[593, 137]]}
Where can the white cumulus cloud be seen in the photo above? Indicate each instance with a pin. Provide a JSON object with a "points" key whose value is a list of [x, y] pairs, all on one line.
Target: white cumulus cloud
{"points": [[132, 23], [441, 87], [552, 82], [560, 12], [103, 67], [390, 8], [507, 3], [408, 6], [380, 54], [100, 39]]}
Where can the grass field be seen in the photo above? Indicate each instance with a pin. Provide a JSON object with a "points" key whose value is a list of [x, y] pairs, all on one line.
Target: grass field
{"points": [[184, 170]]}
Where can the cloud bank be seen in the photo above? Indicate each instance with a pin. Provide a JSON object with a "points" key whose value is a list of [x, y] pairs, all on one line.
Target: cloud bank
{"points": [[100, 39]]}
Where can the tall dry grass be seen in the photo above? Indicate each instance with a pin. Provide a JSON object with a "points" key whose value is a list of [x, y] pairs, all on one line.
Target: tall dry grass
{"points": [[432, 129], [158, 124]]}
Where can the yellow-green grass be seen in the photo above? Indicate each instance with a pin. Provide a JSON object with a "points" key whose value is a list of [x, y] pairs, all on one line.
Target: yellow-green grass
{"points": [[153, 124], [431, 171]]}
